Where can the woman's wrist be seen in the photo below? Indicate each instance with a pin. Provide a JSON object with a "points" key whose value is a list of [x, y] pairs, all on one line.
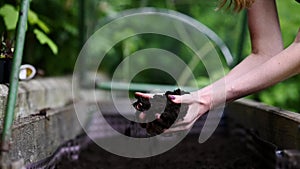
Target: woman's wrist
{"points": [[203, 98]]}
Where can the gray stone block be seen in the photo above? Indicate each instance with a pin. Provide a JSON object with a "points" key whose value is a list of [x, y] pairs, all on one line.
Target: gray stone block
{"points": [[37, 137]]}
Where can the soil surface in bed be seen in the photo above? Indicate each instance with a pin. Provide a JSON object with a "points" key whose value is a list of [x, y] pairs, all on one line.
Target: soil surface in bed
{"points": [[219, 152]]}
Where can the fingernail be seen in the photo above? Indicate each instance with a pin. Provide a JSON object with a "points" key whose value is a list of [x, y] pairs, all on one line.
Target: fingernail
{"points": [[171, 97], [157, 116]]}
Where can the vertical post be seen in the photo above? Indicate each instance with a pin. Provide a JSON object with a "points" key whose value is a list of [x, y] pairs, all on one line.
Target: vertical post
{"points": [[83, 79], [14, 77], [241, 42], [81, 22]]}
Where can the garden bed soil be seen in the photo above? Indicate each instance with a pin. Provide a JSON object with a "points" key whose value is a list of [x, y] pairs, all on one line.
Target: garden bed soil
{"points": [[219, 152]]}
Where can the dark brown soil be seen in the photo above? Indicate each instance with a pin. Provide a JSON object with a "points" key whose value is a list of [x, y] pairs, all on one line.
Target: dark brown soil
{"points": [[159, 104], [219, 152]]}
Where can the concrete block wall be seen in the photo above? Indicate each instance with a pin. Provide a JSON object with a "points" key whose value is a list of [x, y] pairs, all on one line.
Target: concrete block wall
{"points": [[37, 137], [38, 94]]}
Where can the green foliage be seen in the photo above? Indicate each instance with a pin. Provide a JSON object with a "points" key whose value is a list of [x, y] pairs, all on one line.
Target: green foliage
{"points": [[10, 16], [57, 21], [110, 8], [61, 17], [289, 21], [285, 95], [43, 39], [34, 19], [227, 25], [6, 48]]}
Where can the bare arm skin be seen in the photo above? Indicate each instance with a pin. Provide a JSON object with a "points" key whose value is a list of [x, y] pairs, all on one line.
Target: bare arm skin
{"points": [[278, 68], [265, 36], [267, 65]]}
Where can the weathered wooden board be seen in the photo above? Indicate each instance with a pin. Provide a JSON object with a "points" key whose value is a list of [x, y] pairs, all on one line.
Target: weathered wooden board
{"points": [[277, 126]]}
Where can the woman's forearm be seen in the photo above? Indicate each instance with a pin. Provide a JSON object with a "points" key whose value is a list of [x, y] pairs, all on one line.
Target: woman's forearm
{"points": [[275, 69], [267, 65], [248, 64], [278, 68], [266, 40]]}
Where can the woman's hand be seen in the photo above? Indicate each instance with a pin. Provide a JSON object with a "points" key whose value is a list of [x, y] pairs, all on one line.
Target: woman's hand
{"points": [[196, 109], [142, 114]]}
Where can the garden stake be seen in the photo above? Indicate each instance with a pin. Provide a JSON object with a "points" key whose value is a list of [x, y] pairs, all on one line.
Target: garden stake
{"points": [[14, 81]]}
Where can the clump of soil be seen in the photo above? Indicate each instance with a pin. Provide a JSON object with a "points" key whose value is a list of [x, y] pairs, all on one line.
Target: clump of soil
{"points": [[219, 152], [159, 104]]}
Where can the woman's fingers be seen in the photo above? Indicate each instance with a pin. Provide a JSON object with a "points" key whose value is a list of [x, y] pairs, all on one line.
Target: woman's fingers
{"points": [[186, 98], [144, 95], [142, 116], [193, 113], [179, 128], [147, 95]]}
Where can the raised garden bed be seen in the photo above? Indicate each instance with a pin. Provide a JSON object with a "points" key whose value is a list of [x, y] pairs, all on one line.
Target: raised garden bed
{"points": [[238, 142]]}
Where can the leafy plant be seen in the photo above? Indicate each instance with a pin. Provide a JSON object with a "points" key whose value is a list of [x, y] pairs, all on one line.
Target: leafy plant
{"points": [[6, 48], [61, 27], [10, 16]]}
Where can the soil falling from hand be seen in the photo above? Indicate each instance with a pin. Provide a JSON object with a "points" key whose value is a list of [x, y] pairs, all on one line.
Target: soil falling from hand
{"points": [[160, 111]]}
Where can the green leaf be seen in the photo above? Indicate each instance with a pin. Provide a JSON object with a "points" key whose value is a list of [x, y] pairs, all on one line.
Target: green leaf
{"points": [[44, 39], [202, 81], [34, 19], [70, 28], [10, 16]]}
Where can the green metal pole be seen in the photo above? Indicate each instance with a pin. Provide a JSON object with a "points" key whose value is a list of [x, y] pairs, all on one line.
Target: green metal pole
{"points": [[241, 41], [81, 23], [142, 87], [83, 80], [14, 77]]}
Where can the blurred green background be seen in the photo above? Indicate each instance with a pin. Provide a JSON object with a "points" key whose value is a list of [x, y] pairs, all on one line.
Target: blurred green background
{"points": [[54, 40]]}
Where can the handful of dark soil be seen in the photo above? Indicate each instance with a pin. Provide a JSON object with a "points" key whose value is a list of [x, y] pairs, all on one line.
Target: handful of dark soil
{"points": [[159, 104]]}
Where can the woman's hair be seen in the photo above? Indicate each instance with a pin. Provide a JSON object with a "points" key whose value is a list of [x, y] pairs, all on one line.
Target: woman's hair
{"points": [[238, 5]]}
